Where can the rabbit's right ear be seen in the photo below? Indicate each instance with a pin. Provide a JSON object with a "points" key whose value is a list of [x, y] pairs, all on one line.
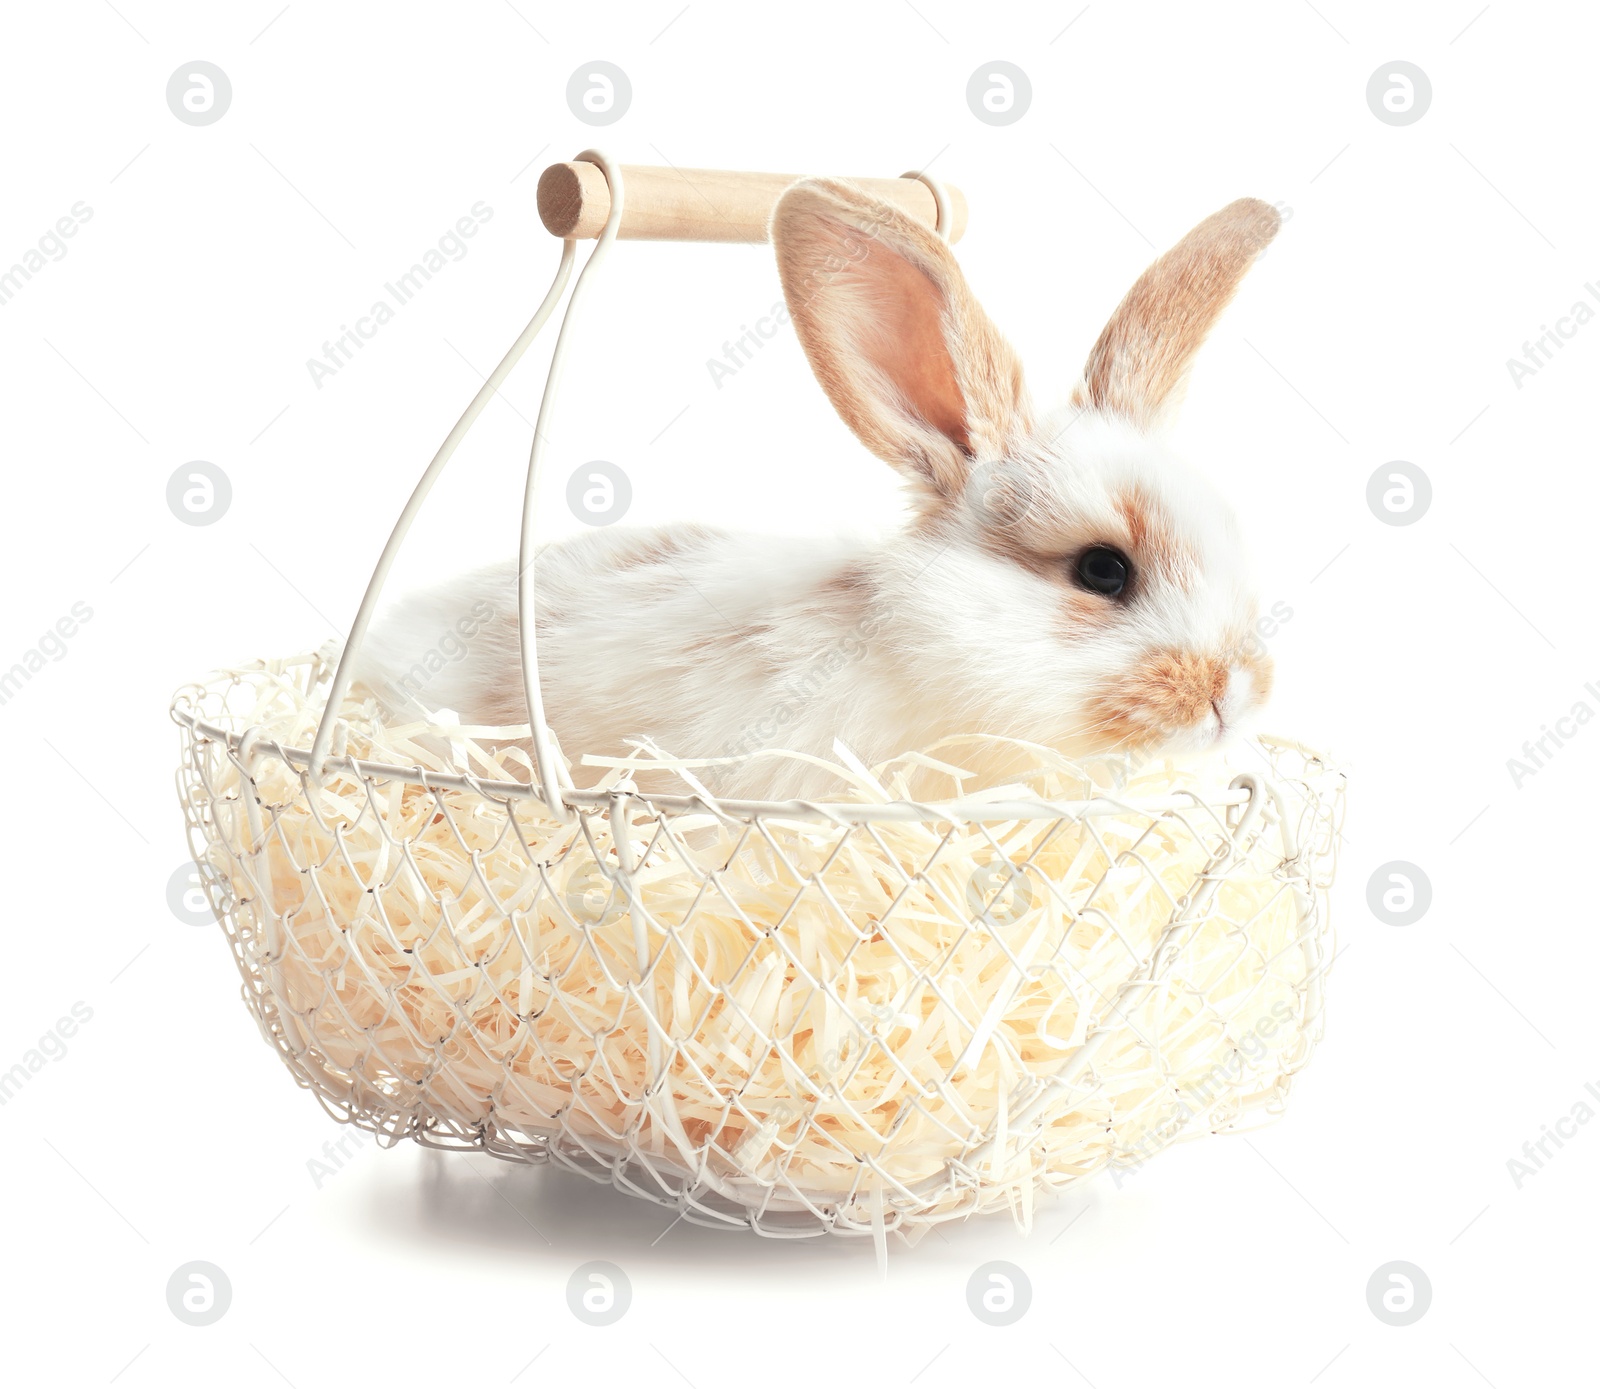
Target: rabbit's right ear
{"points": [[896, 339]]}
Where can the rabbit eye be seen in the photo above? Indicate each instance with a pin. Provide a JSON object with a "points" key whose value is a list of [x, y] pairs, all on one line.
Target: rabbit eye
{"points": [[1103, 570]]}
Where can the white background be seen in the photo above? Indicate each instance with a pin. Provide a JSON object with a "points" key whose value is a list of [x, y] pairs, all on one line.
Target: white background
{"points": [[218, 259]]}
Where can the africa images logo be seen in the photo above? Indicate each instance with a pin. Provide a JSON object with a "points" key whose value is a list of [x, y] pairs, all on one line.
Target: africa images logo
{"points": [[452, 246]]}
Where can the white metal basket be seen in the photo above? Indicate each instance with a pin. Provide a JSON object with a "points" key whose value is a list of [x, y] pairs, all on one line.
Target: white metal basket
{"points": [[861, 1017]]}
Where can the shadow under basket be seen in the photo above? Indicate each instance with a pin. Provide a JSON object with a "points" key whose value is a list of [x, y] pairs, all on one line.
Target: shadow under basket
{"points": [[858, 1018]]}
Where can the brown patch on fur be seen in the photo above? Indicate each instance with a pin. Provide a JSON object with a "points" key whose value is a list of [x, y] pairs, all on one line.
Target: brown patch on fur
{"points": [[848, 594], [1134, 517], [660, 546], [854, 582], [1043, 566], [1138, 366], [504, 703], [1168, 690], [1081, 612], [1153, 541], [894, 335], [1005, 528], [1052, 566]]}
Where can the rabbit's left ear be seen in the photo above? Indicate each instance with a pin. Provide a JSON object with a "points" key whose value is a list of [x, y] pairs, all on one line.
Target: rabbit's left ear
{"points": [[1139, 366], [898, 342]]}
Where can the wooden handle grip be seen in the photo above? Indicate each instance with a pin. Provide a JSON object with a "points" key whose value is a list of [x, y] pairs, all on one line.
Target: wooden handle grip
{"points": [[702, 204]]}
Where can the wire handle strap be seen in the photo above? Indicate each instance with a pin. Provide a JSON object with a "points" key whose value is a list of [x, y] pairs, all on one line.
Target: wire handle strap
{"points": [[948, 213]]}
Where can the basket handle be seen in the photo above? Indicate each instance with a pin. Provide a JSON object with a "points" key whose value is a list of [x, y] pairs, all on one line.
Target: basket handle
{"points": [[672, 204], [737, 202], [344, 672]]}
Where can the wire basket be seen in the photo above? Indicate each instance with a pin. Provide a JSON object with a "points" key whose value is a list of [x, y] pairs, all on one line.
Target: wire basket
{"points": [[859, 1017]]}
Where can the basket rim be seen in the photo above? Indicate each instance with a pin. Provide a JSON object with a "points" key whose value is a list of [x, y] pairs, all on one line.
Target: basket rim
{"points": [[248, 745]]}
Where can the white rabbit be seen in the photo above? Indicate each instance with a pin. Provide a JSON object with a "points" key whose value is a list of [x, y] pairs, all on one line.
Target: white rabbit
{"points": [[1065, 580]]}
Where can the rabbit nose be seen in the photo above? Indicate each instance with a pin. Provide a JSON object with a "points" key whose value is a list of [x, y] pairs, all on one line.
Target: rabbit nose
{"points": [[1167, 691], [1182, 687], [1171, 691]]}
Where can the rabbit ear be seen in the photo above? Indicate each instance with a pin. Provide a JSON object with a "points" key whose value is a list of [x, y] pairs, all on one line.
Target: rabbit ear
{"points": [[896, 339], [1140, 364]]}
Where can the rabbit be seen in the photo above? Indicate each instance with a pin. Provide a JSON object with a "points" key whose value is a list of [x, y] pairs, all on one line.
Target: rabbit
{"points": [[1064, 579]]}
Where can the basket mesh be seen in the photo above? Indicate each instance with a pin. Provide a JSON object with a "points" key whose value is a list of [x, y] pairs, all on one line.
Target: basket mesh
{"points": [[781, 1022]]}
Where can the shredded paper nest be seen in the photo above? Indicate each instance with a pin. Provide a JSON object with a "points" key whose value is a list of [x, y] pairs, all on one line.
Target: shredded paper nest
{"points": [[786, 1022]]}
